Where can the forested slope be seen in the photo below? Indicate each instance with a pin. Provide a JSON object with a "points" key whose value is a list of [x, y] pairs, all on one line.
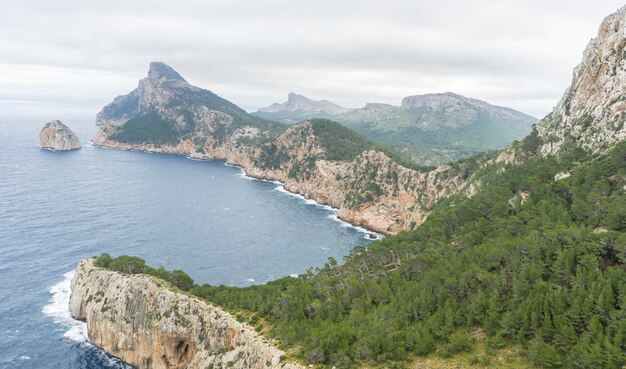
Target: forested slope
{"points": [[528, 260]]}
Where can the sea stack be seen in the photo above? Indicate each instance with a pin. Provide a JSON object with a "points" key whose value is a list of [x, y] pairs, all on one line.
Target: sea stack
{"points": [[57, 136]]}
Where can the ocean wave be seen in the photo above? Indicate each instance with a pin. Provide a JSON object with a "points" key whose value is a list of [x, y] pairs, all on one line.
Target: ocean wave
{"points": [[280, 187], [58, 309], [367, 234], [195, 159]]}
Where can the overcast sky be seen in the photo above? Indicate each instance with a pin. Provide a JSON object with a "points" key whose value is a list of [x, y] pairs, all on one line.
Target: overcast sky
{"points": [[513, 53]]}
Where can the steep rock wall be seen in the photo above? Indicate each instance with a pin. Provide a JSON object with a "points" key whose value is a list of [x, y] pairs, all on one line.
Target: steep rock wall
{"points": [[592, 112], [147, 324]]}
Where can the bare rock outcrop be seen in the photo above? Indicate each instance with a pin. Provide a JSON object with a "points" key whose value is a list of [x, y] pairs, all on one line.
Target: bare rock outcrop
{"points": [[592, 111], [57, 136], [146, 323]]}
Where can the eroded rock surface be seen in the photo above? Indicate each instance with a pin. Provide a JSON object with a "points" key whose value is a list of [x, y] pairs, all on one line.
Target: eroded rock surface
{"points": [[144, 322], [57, 136], [592, 111]]}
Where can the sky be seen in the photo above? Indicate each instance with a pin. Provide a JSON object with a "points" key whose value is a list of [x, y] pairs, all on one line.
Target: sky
{"points": [[518, 54]]}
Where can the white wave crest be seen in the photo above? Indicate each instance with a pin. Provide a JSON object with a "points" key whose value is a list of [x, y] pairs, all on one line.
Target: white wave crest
{"points": [[368, 235], [58, 309], [280, 187]]}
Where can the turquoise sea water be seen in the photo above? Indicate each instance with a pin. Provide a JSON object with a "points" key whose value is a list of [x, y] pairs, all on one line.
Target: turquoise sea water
{"points": [[200, 216]]}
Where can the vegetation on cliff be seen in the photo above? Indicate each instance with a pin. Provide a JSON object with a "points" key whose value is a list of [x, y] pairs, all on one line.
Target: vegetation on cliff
{"points": [[147, 128], [429, 129], [528, 260], [344, 144], [135, 265]]}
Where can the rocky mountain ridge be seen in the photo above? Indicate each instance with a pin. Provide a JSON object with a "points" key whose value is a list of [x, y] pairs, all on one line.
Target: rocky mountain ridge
{"points": [[300, 103], [431, 128], [148, 324], [592, 111], [369, 188]]}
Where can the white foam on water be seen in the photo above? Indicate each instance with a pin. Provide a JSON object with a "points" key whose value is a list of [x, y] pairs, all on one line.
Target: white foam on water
{"points": [[366, 233], [195, 159], [58, 308], [280, 187]]}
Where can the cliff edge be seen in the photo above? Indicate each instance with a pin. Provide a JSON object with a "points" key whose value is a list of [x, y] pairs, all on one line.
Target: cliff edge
{"points": [[149, 325]]}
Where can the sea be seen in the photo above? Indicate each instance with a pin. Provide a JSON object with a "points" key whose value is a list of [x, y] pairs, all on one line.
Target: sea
{"points": [[204, 217]]}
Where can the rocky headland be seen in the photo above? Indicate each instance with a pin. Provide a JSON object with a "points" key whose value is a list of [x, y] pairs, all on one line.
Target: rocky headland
{"points": [[336, 166], [57, 136], [368, 186], [149, 324]]}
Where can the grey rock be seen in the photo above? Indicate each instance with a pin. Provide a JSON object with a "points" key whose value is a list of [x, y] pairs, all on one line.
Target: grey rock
{"points": [[150, 325], [296, 102], [592, 111], [57, 136]]}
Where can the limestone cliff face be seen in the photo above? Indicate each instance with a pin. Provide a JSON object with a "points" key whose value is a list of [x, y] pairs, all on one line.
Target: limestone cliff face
{"points": [[56, 135], [593, 109], [142, 321]]}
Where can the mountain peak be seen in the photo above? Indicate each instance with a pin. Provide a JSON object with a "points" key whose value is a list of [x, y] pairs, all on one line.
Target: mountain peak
{"points": [[432, 100], [293, 97], [592, 110], [160, 72], [297, 102]]}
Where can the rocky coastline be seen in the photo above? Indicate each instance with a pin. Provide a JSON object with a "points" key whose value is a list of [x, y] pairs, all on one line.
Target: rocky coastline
{"points": [[149, 324], [404, 196]]}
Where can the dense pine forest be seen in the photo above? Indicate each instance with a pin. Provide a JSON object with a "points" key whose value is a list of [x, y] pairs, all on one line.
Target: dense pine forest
{"points": [[536, 259]]}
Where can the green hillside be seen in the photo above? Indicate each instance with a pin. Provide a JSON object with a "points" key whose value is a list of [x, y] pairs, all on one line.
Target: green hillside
{"points": [[427, 129], [528, 261]]}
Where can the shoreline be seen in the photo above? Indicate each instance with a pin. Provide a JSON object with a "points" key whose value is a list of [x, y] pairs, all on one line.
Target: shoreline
{"points": [[343, 223], [308, 201]]}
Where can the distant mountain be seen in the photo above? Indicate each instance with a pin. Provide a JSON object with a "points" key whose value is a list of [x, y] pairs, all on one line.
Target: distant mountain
{"points": [[299, 108], [430, 129], [320, 159]]}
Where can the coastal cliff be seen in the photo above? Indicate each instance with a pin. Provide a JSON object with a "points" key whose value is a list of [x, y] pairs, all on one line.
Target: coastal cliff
{"points": [[372, 190], [318, 159], [148, 324]]}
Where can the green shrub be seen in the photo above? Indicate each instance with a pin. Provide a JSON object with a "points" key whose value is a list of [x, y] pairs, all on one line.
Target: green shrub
{"points": [[147, 128]]}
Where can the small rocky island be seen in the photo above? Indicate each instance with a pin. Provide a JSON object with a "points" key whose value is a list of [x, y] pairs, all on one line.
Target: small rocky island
{"points": [[57, 136]]}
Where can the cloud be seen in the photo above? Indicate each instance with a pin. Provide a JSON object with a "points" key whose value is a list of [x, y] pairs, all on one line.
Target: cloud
{"points": [[517, 54]]}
